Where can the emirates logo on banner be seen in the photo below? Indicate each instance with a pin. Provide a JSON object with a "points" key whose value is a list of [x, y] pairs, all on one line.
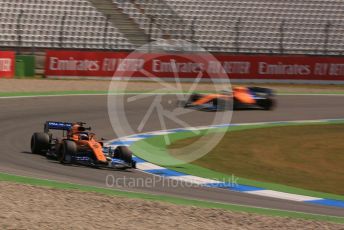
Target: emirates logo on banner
{"points": [[189, 64]]}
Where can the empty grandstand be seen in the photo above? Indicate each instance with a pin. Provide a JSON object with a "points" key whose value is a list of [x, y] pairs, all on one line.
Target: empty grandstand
{"points": [[250, 26]]}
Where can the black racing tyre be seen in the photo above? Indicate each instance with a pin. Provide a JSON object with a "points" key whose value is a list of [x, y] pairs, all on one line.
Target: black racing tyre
{"points": [[133, 164], [194, 97], [188, 103], [123, 153], [222, 104], [267, 104], [40, 143], [236, 104], [67, 152]]}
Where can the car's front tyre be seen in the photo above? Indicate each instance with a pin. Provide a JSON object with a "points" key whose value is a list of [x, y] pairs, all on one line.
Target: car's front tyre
{"points": [[67, 152], [267, 104], [123, 153]]}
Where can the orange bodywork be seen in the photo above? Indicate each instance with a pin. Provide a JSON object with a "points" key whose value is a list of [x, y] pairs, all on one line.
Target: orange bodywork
{"points": [[91, 143], [240, 93], [209, 98]]}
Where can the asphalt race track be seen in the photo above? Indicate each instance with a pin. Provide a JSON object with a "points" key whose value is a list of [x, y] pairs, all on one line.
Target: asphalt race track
{"points": [[22, 116]]}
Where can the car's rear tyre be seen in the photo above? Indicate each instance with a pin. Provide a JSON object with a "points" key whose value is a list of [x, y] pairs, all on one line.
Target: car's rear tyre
{"points": [[192, 98], [236, 104], [67, 152], [222, 104], [123, 153], [40, 143], [195, 97]]}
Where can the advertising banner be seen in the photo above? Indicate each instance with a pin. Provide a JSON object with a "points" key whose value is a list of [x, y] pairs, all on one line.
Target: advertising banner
{"points": [[146, 65], [7, 64]]}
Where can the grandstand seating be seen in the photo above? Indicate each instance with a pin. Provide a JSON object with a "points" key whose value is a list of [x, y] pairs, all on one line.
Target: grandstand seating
{"points": [[41, 25], [309, 26]]}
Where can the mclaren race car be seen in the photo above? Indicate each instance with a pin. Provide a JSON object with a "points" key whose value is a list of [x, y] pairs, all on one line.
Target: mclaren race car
{"points": [[79, 146], [239, 98]]}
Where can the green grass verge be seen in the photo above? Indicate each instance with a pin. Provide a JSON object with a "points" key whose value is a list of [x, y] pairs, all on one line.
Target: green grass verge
{"points": [[156, 151], [173, 200], [304, 156]]}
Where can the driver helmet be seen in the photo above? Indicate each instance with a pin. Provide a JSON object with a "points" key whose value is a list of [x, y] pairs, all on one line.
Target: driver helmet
{"points": [[83, 136]]}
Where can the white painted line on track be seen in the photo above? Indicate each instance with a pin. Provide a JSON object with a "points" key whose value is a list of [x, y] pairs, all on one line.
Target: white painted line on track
{"points": [[194, 179], [147, 166], [131, 139], [283, 195]]}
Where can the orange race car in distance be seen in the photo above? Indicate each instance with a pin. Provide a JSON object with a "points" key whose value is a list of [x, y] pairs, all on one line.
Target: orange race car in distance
{"points": [[79, 146], [239, 98]]}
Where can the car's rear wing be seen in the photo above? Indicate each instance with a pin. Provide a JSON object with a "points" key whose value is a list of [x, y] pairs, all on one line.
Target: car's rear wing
{"points": [[260, 90], [57, 125]]}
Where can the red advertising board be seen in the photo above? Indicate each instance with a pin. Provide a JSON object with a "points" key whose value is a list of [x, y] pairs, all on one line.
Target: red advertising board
{"points": [[122, 64], [7, 61]]}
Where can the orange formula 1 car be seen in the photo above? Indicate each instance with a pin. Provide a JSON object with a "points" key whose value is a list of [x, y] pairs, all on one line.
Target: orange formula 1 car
{"points": [[240, 98], [79, 146]]}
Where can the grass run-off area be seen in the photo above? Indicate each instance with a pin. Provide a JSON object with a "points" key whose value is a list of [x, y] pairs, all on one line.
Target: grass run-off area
{"points": [[306, 156]]}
